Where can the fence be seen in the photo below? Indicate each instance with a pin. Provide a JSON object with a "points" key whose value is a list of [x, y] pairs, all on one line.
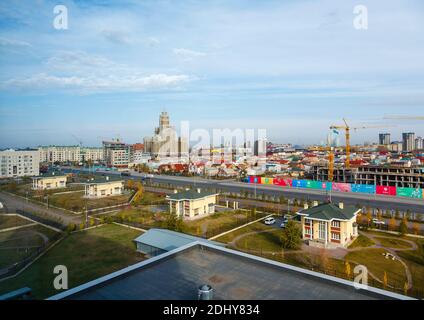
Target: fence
{"points": [[13, 269]]}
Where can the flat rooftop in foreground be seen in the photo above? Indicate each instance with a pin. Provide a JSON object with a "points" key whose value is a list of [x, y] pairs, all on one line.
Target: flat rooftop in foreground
{"points": [[176, 275]]}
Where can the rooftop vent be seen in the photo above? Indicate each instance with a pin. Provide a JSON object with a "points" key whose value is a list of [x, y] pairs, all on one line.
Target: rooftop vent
{"points": [[107, 178], [305, 206], [205, 292], [175, 191], [199, 190], [341, 205], [315, 203]]}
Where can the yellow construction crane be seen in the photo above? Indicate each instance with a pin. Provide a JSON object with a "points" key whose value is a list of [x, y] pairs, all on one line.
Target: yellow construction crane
{"points": [[347, 129]]}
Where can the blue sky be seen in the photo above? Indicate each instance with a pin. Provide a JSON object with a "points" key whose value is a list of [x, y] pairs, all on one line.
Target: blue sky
{"points": [[292, 67]]}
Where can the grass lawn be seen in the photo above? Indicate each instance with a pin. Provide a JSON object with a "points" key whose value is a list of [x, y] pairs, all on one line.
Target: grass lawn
{"points": [[76, 202], [258, 226], [10, 221], [394, 243], [18, 244], [415, 261], [150, 198], [264, 241], [377, 264], [362, 242], [87, 255], [218, 223]]}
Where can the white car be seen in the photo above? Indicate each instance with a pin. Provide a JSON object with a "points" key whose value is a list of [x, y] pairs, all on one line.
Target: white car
{"points": [[378, 222], [269, 221]]}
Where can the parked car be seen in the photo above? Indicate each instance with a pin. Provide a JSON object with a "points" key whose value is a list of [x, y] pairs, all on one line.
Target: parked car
{"points": [[378, 222], [284, 223], [269, 221], [125, 174]]}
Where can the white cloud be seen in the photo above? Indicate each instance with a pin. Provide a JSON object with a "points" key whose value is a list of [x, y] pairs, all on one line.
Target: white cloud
{"points": [[4, 42], [188, 55], [96, 84], [117, 36]]}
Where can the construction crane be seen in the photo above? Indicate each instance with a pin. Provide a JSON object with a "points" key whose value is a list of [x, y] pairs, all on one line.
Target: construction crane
{"points": [[348, 129], [80, 143]]}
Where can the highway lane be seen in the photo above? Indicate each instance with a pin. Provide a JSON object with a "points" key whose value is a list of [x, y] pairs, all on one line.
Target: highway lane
{"points": [[373, 201]]}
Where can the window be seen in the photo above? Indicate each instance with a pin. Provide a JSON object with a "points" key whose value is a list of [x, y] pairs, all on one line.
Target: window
{"points": [[335, 224], [307, 231], [335, 236], [322, 230]]}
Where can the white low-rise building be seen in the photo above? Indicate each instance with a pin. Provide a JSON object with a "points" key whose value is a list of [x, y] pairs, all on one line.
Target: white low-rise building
{"points": [[19, 163], [100, 187], [49, 180]]}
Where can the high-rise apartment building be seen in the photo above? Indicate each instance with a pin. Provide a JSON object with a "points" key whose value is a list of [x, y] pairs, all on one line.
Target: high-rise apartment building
{"points": [[408, 141], [165, 142], [19, 163], [419, 143], [384, 139], [116, 153]]}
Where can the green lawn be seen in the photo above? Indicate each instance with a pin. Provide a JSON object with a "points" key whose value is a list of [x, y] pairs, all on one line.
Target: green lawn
{"points": [[218, 223], [151, 198], [393, 243], [264, 241], [76, 202], [377, 264], [87, 255], [10, 221], [258, 226], [18, 244], [362, 242]]}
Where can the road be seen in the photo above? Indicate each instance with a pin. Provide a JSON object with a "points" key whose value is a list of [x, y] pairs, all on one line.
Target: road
{"points": [[373, 201], [13, 203]]}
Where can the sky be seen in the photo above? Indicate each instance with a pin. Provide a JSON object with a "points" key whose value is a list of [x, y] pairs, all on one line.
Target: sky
{"points": [[292, 67]]}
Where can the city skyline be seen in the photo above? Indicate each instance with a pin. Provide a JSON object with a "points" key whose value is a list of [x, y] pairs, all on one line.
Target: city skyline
{"points": [[116, 67]]}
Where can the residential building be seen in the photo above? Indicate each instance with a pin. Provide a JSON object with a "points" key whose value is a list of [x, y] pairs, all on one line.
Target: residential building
{"points": [[384, 139], [260, 147], [329, 226], [193, 203], [49, 180], [52, 154], [419, 143], [100, 187], [116, 153], [408, 141], [395, 146], [19, 163], [165, 142]]}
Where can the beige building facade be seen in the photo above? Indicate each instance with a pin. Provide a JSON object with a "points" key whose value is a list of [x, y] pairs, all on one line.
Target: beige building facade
{"points": [[52, 180], [192, 204], [101, 187], [329, 226]]}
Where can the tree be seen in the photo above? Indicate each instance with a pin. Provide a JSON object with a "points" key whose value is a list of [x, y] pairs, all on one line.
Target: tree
{"points": [[416, 228], [403, 228], [71, 227], [130, 184], [174, 223], [292, 236], [392, 224], [348, 270]]}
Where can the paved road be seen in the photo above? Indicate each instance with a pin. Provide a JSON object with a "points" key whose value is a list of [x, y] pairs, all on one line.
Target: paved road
{"points": [[13, 203], [373, 201]]}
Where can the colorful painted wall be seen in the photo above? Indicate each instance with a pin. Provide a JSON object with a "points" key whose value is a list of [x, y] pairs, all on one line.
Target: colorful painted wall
{"points": [[414, 193]]}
